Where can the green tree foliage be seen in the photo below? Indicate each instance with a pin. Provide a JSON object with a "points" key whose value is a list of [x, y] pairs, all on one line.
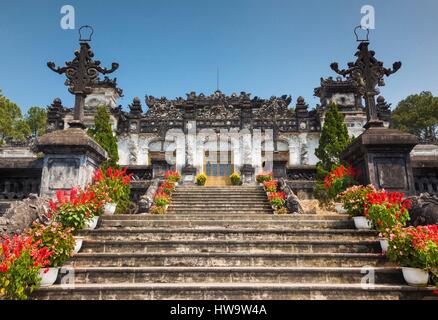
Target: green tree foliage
{"points": [[418, 114], [334, 138], [12, 124], [333, 141], [36, 119], [103, 135]]}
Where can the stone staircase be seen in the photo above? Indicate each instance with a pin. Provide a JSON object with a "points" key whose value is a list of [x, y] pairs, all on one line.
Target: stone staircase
{"points": [[225, 243]]}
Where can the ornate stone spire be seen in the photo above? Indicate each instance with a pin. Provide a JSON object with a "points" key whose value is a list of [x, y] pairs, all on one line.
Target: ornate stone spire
{"points": [[82, 73], [368, 73], [135, 107]]}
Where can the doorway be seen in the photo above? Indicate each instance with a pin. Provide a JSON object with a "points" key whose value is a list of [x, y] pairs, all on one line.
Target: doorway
{"points": [[217, 169]]}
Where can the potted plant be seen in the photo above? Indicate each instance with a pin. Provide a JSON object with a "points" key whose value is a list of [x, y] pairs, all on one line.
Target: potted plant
{"points": [[162, 199], [109, 208], [58, 239], [21, 260], [75, 209], [338, 180], [235, 179], [386, 210], [201, 179], [168, 187], [78, 244], [113, 184], [277, 199], [270, 186], [172, 176], [262, 177], [101, 192], [354, 200], [415, 249]]}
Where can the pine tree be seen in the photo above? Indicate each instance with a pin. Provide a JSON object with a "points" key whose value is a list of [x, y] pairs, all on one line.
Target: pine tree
{"points": [[334, 138], [103, 134]]}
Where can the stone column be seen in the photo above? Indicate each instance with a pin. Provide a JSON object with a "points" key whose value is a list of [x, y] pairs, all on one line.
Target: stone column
{"points": [[71, 157], [381, 157]]}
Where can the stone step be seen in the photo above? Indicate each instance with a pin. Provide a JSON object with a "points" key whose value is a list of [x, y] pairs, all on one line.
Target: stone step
{"points": [[219, 211], [176, 223], [261, 246], [202, 188], [227, 216], [227, 234], [322, 275], [208, 202], [203, 206], [228, 259], [215, 196], [233, 291]]}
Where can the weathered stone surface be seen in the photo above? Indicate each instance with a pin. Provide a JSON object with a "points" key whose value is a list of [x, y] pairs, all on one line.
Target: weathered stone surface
{"points": [[22, 214], [381, 157], [424, 210], [147, 199], [292, 201]]}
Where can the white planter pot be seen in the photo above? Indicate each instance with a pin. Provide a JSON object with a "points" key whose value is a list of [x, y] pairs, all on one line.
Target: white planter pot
{"points": [[340, 208], [78, 244], [91, 224], [109, 208], [384, 245], [48, 278], [415, 277], [362, 223]]}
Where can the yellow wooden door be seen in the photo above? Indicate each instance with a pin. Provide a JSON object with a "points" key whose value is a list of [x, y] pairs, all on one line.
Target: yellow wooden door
{"points": [[218, 174]]}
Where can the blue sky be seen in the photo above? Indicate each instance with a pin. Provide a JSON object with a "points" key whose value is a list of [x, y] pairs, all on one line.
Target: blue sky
{"points": [[171, 47]]}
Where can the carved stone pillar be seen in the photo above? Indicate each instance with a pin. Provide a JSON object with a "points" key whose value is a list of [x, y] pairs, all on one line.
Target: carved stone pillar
{"points": [[381, 157], [71, 156]]}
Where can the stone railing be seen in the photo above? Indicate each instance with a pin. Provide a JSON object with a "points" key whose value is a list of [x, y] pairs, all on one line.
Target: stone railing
{"points": [[19, 177]]}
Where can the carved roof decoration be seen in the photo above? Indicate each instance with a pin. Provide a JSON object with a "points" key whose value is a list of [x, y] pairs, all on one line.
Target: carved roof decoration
{"points": [[274, 107], [218, 112], [162, 109], [109, 83], [338, 85]]}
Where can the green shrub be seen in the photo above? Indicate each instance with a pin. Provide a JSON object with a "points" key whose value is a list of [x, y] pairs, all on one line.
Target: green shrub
{"points": [[201, 179], [235, 179]]}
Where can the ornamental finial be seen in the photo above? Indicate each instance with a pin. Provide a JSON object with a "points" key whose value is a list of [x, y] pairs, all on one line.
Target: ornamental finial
{"points": [[85, 33], [357, 35]]}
